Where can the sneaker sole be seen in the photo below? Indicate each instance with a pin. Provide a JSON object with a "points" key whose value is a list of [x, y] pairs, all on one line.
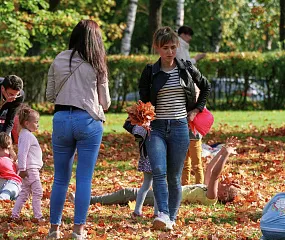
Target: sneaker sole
{"points": [[159, 225]]}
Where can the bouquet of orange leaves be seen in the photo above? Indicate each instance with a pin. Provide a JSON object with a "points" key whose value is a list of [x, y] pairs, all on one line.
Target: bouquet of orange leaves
{"points": [[141, 114]]}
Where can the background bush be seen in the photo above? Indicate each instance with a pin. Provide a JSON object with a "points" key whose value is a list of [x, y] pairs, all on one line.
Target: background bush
{"points": [[237, 71]]}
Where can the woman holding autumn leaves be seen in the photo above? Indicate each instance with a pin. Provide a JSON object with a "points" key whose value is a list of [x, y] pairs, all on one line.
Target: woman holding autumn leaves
{"points": [[169, 86]]}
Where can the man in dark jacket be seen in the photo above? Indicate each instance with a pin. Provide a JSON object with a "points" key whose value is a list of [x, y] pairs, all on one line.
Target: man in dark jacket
{"points": [[11, 97]]}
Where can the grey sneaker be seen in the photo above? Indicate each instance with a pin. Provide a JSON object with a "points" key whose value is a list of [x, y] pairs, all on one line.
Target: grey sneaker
{"points": [[162, 222], [71, 197], [53, 235], [78, 236]]}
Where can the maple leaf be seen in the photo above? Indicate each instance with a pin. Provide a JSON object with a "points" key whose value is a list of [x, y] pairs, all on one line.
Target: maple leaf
{"points": [[132, 205], [42, 230]]}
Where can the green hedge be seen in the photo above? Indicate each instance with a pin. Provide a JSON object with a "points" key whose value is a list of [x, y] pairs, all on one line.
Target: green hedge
{"points": [[124, 72]]}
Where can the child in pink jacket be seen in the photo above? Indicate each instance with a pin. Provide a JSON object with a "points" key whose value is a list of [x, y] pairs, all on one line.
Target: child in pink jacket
{"points": [[10, 181], [29, 163]]}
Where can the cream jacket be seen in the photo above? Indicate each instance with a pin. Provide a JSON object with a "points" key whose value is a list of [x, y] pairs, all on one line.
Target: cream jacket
{"points": [[81, 90]]}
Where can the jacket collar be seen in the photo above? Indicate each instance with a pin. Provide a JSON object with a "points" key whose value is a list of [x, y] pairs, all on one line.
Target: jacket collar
{"points": [[156, 66]]}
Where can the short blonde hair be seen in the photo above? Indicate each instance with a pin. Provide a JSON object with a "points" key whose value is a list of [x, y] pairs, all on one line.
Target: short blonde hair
{"points": [[163, 36]]}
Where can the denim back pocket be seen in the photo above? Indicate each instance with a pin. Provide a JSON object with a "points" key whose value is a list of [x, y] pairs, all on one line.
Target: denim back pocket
{"points": [[58, 129], [85, 127]]}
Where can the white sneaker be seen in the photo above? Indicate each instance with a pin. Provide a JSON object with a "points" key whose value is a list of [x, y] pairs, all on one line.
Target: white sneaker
{"points": [[162, 222], [173, 224]]}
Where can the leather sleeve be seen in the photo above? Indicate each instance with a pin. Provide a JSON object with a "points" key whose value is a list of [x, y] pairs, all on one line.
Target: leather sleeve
{"points": [[204, 86], [128, 126], [12, 110], [145, 84]]}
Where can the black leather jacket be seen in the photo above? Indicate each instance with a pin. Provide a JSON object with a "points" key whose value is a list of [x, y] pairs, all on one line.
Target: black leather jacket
{"points": [[153, 79], [8, 111]]}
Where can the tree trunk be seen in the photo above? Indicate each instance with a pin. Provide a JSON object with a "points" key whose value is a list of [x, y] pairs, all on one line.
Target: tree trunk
{"points": [[53, 5], [282, 23], [268, 40], [180, 14], [131, 18], [154, 20], [216, 36]]}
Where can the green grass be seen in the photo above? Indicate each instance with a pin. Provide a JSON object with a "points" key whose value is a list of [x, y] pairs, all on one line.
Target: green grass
{"points": [[114, 123], [243, 119], [259, 119]]}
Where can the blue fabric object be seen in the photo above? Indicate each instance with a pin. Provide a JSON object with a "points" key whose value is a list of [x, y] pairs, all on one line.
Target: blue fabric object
{"points": [[74, 129], [269, 235], [167, 146], [139, 131], [273, 217], [10, 190]]}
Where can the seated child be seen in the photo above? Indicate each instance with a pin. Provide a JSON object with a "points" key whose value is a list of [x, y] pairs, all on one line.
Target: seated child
{"points": [[272, 223], [10, 181]]}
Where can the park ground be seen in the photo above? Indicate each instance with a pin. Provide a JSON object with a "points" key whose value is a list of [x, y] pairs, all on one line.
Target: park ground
{"points": [[258, 169]]}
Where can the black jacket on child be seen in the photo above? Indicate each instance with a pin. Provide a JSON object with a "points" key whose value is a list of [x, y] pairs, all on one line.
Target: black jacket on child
{"points": [[129, 127]]}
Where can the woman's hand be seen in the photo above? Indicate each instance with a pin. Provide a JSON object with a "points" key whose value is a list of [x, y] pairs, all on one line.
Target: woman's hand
{"points": [[192, 114]]}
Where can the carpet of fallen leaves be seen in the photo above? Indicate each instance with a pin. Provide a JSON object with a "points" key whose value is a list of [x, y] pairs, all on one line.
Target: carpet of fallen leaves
{"points": [[258, 169]]}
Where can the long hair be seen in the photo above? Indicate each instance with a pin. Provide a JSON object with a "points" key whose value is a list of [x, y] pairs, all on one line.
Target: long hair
{"points": [[86, 39]]}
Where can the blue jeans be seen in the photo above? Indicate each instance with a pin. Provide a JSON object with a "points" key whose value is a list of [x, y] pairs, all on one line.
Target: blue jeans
{"points": [[74, 129], [167, 146], [9, 190], [269, 235]]}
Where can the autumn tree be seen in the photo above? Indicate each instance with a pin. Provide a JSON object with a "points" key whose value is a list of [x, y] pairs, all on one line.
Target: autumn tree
{"points": [[227, 25], [26, 23]]}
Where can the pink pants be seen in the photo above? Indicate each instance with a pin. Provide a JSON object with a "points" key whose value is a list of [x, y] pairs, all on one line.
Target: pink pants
{"points": [[30, 185]]}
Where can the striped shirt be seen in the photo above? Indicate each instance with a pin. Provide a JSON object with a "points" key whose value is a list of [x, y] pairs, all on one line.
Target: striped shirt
{"points": [[171, 98]]}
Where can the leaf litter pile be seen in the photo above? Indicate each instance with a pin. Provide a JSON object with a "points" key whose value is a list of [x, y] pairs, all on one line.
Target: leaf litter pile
{"points": [[258, 169], [141, 114]]}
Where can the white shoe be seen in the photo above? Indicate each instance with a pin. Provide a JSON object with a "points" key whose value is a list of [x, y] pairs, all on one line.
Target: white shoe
{"points": [[173, 224], [162, 222]]}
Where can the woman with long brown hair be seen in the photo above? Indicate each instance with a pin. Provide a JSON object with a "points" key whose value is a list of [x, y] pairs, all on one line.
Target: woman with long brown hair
{"points": [[78, 85]]}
